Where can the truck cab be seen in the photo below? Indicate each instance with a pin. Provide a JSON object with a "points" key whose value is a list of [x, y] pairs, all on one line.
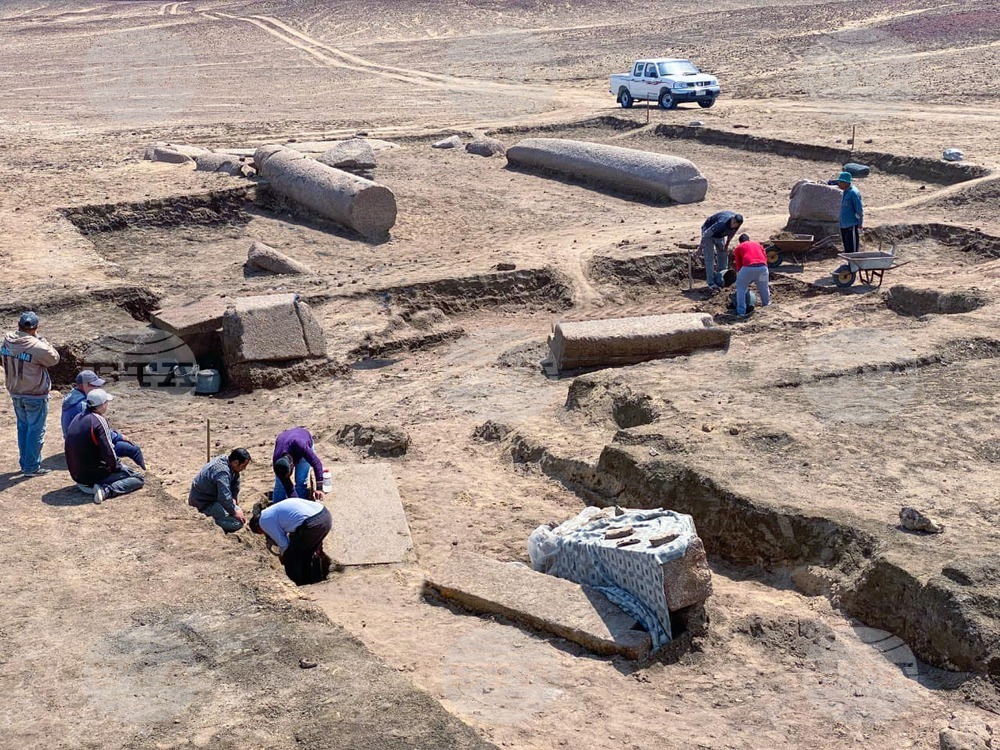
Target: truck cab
{"points": [[668, 81]]}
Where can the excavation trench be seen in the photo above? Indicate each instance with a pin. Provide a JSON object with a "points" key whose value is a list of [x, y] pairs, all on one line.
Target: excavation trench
{"points": [[844, 558], [914, 167]]}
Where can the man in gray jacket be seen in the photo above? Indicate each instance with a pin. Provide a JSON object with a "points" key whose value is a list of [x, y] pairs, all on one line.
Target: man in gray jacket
{"points": [[215, 490], [26, 361]]}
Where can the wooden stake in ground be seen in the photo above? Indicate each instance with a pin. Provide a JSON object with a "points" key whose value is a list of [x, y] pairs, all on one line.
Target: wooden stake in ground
{"points": [[208, 440], [854, 135]]}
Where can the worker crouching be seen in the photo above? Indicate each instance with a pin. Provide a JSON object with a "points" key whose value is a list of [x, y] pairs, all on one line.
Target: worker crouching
{"points": [[297, 528]]}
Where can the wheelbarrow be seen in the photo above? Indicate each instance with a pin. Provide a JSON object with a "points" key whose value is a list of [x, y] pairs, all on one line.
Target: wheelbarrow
{"points": [[779, 251], [869, 267]]}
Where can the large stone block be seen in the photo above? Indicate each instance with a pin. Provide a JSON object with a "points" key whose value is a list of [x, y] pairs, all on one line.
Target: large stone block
{"points": [[202, 316], [621, 341], [270, 329], [813, 201], [577, 613], [627, 170], [371, 526], [650, 562], [312, 331]]}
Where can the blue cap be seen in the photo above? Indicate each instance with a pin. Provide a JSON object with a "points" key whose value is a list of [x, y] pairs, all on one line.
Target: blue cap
{"points": [[89, 377], [845, 177], [28, 321]]}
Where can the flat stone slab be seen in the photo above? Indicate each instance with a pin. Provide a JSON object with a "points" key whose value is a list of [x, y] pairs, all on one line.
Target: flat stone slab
{"points": [[369, 523], [624, 341], [202, 316], [577, 613]]}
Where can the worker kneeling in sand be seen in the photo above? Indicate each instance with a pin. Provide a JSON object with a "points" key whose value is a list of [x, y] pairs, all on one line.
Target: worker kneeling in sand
{"points": [[90, 454], [750, 260], [297, 527], [215, 490]]}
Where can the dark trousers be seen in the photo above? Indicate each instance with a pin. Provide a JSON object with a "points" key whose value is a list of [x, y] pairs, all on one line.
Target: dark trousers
{"points": [[852, 239], [122, 482], [303, 544], [221, 516], [125, 449]]}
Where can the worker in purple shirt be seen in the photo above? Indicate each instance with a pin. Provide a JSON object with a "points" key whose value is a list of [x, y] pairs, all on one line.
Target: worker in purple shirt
{"points": [[294, 456]]}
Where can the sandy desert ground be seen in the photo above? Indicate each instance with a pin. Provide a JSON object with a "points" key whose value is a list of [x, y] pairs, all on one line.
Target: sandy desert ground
{"points": [[137, 624]]}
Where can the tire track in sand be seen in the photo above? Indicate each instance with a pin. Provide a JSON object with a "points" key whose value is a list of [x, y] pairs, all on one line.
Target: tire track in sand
{"points": [[338, 58]]}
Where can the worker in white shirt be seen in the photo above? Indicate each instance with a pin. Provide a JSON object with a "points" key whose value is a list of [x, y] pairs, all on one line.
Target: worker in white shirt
{"points": [[297, 528]]}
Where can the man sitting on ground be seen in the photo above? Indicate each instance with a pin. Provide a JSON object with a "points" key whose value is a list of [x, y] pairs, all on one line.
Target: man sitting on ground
{"points": [[293, 453], [297, 527], [215, 490], [91, 457], [75, 403]]}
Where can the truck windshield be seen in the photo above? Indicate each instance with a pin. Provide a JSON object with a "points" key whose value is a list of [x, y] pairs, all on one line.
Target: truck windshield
{"points": [[677, 68]]}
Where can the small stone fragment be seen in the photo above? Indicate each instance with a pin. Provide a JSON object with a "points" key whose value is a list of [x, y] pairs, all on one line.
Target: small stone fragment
{"points": [[659, 541], [450, 142], [621, 533], [306, 664], [486, 147], [913, 520]]}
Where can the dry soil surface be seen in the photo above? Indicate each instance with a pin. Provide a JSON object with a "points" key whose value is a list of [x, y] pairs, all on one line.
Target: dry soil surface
{"points": [[137, 624]]}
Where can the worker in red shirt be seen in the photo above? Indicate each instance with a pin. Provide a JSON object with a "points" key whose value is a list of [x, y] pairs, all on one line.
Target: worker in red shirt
{"points": [[751, 268]]}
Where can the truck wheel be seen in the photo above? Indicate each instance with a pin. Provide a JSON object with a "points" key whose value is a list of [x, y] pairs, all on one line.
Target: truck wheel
{"points": [[667, 100], [625, 99], [706, 103]]}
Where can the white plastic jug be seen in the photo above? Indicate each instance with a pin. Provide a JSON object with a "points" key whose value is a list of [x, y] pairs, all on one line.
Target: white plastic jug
{"points": [[327, 481]]}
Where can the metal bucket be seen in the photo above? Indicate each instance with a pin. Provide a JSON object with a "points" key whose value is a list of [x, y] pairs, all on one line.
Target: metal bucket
{"points": [[208, 381]]}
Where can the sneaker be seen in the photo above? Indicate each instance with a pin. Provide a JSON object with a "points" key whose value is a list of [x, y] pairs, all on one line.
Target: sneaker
{"points": [[39, 472], [98, 494]]}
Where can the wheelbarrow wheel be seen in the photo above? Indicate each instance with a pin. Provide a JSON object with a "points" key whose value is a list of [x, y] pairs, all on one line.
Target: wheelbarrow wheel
{"points": [[774, 256], [844, 276]]}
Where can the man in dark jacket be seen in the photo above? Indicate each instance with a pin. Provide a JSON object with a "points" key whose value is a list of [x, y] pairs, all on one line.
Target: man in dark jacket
{"points": [[75, 402], [717, 232], [91, 456], [215, 490], [294, 455]]}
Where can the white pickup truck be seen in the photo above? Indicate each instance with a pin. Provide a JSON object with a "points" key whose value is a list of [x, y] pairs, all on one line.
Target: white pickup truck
{"points": [[666, 80]]}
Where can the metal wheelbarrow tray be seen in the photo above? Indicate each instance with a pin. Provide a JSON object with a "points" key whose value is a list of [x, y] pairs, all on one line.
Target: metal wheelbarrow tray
{"points": [[778, 251], [869, 267]]}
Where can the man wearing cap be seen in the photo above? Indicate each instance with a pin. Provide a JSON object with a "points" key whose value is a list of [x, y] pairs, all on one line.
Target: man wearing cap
{"points": [[717, 232], [852, 213], [294, 454], [27, 358], [90, 455], [215, 490], [75, 403]]}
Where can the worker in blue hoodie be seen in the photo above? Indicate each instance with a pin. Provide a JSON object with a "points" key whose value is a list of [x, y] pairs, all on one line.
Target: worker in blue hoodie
{"points": [[852, 213], [76, 403]]}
